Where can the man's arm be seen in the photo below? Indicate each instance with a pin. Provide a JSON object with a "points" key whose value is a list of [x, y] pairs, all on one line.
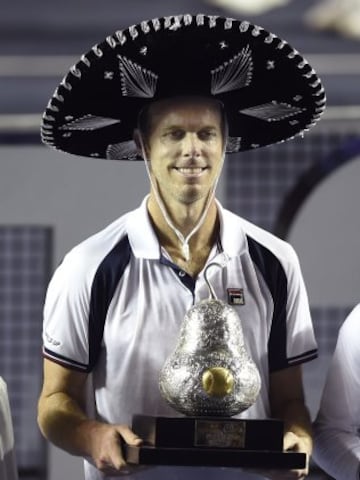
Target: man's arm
{"points": [[63, 421], [287, 403]]}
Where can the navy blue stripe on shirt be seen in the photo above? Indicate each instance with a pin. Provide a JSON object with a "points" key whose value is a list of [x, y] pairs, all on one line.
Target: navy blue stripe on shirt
{"points": [[276, 280], [104, 284], [184, 277], [304, 357], [63, 361]]}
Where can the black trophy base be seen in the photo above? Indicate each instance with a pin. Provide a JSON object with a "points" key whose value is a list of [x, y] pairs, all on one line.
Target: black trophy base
{"points": [[212, 457], [212, 441]]}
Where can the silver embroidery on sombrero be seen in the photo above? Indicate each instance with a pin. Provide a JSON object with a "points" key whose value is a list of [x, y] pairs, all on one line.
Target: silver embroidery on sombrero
{"points": [[89, 122], [52, 107], [111, 41], [173, 22], [269, 39], [47, 134], [156, 24], [272, 111], [120, 36], [233, 144], [187, 19], [233, 74], [133, 32], [212, 20], [145, 27], [200, 19], [256, 31], [122, 151], [228, 23], [244, 27], [136, 81]]}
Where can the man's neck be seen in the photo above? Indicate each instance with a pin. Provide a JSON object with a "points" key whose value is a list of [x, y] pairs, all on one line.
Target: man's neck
{"points": [[186, 219]]}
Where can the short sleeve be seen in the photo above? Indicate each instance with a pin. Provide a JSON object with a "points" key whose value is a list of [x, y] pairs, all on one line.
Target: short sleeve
{"points": [[66, 314]]}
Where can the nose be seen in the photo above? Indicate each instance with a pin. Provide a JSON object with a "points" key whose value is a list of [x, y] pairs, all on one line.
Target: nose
{"points": [[191, 145]]}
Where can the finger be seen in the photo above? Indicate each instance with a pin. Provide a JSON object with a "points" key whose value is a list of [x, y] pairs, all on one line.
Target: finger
{"points": [[112, 461], [115, 456], [128, 435], [291, 441], [116, 460]]}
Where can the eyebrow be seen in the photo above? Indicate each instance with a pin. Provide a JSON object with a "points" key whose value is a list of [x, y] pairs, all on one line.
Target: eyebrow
{"points": [[180, 127]]}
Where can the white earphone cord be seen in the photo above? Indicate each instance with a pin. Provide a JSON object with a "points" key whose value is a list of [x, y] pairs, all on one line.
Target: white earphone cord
{"points": [[184, 240]]}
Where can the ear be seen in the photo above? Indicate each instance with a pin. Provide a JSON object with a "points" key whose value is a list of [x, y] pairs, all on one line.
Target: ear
{"points": [[137, 139]]}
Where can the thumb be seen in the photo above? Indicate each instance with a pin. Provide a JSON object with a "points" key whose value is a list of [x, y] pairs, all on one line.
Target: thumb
{"points": [[290, 441], [128, 435]]}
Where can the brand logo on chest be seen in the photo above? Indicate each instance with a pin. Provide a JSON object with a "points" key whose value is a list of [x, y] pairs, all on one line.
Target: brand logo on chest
{"points": [[235, 296]]}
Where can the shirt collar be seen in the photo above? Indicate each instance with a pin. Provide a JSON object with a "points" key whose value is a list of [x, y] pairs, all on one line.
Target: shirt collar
{"points": [[143, 240], [145, 244], [232, 234]]}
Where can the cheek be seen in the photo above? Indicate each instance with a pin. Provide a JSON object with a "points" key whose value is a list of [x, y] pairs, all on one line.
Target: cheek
{"points": [[217, 152], [161, 149], [218, 164], [158, 167]]}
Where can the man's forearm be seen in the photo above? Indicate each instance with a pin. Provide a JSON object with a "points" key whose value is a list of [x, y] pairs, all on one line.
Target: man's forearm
{"points": [[65, 424]]}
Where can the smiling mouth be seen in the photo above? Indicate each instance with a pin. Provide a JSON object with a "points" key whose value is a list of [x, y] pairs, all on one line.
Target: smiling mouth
{"points": [[191, 172]]}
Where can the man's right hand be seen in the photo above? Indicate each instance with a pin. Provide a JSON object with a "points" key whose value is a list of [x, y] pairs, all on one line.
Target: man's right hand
{"points": [[63, 421], [106, 447]]}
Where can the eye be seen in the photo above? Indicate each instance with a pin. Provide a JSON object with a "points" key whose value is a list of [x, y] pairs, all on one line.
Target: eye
{"points": [[175, 134], [207, 134]]}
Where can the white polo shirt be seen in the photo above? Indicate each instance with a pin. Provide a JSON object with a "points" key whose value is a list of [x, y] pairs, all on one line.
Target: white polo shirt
{"points": [[115, 305]]}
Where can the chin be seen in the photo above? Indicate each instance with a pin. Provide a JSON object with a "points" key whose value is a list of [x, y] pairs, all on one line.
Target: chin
{"points": [[192, 197]]}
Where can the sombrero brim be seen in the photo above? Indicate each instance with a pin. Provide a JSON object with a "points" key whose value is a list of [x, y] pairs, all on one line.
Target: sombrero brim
{"points": [[269, 91]]}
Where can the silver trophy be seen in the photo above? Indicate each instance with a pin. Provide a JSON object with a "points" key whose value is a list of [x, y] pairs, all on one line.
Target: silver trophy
{"points": [[209, 378], [210, 372]]}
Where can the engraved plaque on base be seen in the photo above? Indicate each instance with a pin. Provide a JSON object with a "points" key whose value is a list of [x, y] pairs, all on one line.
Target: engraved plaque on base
{"points": [[191, 432]]}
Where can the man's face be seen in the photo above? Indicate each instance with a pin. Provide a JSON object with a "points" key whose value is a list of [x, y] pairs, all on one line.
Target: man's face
{"points": [[185, 147]]}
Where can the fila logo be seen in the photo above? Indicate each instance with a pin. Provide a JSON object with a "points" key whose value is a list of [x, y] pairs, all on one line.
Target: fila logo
{"points": [[235, 296]]}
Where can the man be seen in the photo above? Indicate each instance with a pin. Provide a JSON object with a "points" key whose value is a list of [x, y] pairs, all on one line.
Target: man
{"points": [[337, 442], [115, 305]]}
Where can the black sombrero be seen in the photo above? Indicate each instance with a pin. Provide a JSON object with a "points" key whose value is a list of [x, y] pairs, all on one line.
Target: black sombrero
{"points": [[270, 92]]}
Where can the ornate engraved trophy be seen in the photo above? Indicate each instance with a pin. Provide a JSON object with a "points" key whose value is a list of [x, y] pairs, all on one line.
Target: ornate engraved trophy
{"points": [[209, 378], [210, 372]]}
